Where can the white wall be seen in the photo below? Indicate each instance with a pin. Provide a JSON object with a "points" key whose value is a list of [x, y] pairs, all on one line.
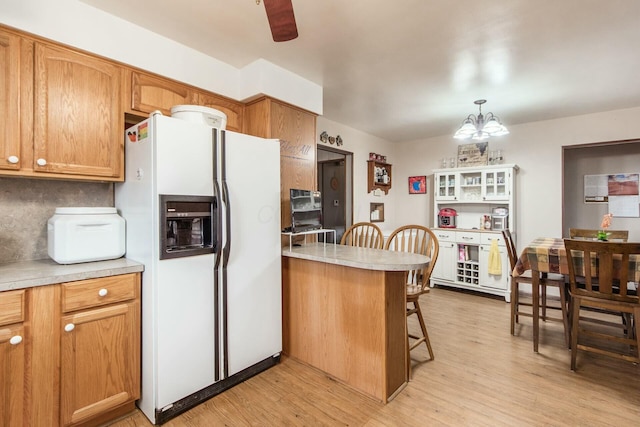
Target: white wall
{"points": [[76, 24], [536, 148], [361, 144]]}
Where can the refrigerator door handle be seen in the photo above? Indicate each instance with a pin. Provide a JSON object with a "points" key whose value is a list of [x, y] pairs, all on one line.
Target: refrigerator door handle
{"points": [[217, 227], [225, 252]]}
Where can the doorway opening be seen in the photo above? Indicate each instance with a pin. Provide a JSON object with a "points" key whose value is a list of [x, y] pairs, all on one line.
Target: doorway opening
{"points": [[335, 183]]}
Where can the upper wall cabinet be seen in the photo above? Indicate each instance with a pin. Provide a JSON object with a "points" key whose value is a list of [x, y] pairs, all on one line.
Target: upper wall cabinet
{"points": [[148, 93], [78, 118], [9, 108], [62, 112], [296, 130]]}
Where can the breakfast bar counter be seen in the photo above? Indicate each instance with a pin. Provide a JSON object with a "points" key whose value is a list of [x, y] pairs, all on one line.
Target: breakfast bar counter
{"points": [[344, 312]]}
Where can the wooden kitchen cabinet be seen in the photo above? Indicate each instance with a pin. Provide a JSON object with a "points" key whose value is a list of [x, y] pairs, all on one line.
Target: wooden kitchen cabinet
{"points": [[62, 111], [99, 347], [82, 343], [148, 92], [9, 108], [296, 129], [78, 118], [12, 357]]}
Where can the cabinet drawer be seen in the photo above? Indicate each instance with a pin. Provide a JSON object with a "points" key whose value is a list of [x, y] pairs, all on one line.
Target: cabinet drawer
{"points": [[486, 238], [96, 292], [467, 237], [12, 307], [445, 235]]}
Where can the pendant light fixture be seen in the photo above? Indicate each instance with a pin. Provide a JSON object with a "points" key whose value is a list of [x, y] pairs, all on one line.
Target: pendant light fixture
{"points": [[480, 127]]}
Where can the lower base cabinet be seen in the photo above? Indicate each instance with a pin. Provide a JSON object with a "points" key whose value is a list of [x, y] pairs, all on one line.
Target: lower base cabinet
{"points": [[12, 358], [463, 262], [83, 348], [99, 347]]}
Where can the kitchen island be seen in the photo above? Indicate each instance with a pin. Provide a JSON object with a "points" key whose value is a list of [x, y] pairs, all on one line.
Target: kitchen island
{"points": [[344, 312]]}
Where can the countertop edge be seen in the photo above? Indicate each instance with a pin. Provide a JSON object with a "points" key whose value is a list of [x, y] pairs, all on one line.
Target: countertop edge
{"points": [[30, 274], [364, 258]]}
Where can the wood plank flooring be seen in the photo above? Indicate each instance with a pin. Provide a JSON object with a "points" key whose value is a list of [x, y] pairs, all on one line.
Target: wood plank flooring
{"points": [[481, 376]]}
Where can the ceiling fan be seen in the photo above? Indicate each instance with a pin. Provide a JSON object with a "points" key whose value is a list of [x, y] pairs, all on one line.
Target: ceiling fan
{"points": [[281, 19]]}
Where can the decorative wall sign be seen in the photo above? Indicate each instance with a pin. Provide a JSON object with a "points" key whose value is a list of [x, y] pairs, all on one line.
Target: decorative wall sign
{"points": [[417, 185], [324, 137], [475, 154]]}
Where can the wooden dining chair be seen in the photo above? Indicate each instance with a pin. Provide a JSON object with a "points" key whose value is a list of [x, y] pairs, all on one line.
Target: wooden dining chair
{"points": [[420, 240], [364, 235], [604, 268], [584, 233], [546, 280]]}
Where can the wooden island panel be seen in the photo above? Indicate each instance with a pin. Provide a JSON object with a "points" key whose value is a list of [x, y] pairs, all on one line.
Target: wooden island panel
{"points": [[349, 322]]}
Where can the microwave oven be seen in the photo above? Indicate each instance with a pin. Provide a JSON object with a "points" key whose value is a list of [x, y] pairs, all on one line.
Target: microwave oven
{"points": [[500, 219]]}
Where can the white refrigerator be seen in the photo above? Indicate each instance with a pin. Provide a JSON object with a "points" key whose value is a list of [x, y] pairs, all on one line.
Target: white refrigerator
{"points": [[210, 320]]}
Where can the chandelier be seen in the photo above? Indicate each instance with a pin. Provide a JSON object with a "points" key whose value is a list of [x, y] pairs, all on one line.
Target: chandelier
{"points": [[480, 127]]}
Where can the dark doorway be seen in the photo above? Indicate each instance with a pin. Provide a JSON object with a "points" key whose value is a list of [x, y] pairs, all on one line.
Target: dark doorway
{"points": [[335, 179]]}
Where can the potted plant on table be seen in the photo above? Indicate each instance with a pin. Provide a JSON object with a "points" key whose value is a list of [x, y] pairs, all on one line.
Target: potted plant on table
{"points": [[606, 223]]}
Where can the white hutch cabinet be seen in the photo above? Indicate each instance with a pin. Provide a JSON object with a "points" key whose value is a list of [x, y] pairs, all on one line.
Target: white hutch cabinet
{"points": [[475, 193]]}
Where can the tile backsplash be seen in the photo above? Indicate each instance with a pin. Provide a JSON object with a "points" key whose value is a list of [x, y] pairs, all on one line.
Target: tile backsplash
{"points": [[27, 204]]}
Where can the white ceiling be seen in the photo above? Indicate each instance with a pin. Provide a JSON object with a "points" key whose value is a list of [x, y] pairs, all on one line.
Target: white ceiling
{"points": [[411, 69]]}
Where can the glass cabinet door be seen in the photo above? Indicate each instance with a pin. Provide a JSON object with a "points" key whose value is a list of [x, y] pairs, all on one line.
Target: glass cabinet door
{"points": [[446, 186], [495, 184]]}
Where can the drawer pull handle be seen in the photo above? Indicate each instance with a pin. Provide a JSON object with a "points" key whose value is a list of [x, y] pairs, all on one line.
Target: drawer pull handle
{"points": [[41, 162], [13, 159], [103, 292], [69, 327], [17, 339]]}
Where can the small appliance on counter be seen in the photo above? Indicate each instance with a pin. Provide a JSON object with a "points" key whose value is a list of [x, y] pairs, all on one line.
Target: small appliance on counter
{"points": [[499, 219], [83, 234], [447, 218]]}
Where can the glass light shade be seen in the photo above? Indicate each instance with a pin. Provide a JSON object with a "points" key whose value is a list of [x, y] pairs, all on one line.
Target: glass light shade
{"points": [[480, 135], [466, 130], [503, 131], [492, 126]]}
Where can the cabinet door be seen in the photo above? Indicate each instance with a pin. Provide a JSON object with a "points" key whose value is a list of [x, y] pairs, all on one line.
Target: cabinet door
{"points": [[489, 280], [12, 372], [445, 267], [100, 359], [296, 130], [78, 120], [232, 109], [496, 184], [446, 186], [150, 93], [9, 87]]}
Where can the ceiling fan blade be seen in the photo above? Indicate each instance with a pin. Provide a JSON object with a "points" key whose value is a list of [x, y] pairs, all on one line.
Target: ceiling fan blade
{"points": [[281, 20]]}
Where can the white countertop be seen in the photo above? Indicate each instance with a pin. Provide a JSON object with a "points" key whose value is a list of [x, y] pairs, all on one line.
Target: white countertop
{"points": [[365, 258], [28, 274]]}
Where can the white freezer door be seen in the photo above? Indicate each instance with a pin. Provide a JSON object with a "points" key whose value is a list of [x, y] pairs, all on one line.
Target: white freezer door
{"points": [[254, 302], [185, 327]]}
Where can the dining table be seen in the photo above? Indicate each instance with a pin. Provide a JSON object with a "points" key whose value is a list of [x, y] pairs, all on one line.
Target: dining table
{"points": [[548, 255]]}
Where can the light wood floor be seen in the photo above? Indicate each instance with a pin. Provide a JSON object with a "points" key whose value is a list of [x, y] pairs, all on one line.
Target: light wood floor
{"points": [[481, 376]]}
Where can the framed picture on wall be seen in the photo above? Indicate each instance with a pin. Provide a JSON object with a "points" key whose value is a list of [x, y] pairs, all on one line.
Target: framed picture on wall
{"points": [[418, 184]]}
